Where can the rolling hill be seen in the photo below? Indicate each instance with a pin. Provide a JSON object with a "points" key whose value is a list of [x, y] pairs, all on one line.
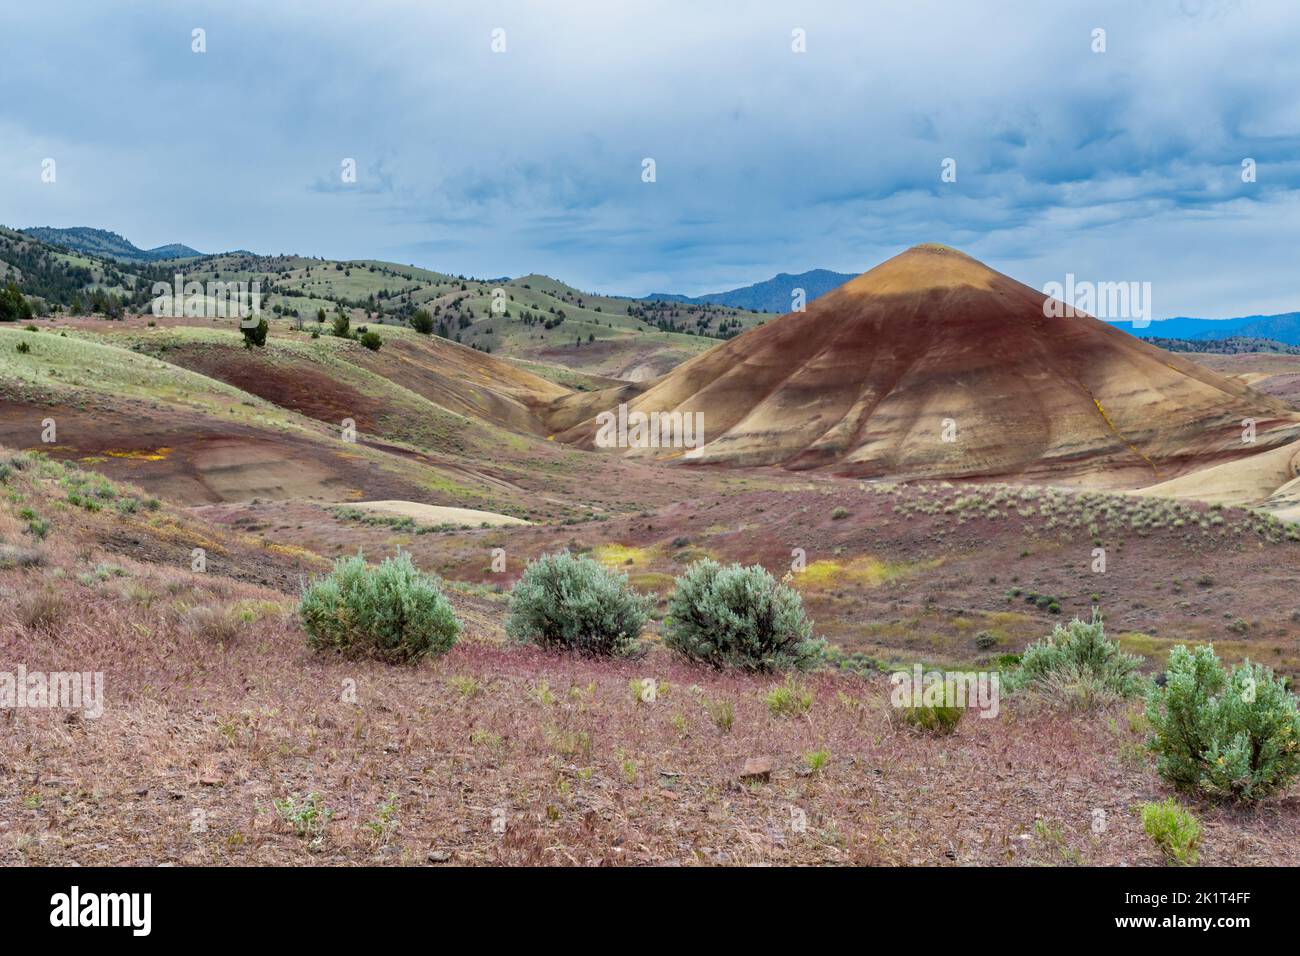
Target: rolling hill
{"points": [[181, 408], [101, 242], [555, 329], [876, 377]]}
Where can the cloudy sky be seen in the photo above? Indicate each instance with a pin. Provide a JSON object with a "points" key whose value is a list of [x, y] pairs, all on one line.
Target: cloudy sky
{"points": [[1116, 165]]}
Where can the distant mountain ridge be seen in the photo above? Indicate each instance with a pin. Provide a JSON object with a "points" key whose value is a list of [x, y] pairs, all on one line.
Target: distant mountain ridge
{"points": [[774, 295], [1284, 328], [101, 242]]}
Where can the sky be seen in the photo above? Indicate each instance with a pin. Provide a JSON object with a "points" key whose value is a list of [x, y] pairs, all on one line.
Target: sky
{"points": [[1122, 164]]}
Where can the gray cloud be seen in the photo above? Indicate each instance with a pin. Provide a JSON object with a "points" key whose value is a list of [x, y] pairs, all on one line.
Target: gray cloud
{"points": [[1113, 166]]}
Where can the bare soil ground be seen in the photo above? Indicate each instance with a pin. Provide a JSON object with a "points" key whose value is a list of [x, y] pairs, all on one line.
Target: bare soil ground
{"points": [[435, 515]]}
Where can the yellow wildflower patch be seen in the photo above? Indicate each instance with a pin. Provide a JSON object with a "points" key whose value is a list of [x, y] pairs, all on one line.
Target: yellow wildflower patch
{"points": [[862, 570], [158, 454], [615, 555]]}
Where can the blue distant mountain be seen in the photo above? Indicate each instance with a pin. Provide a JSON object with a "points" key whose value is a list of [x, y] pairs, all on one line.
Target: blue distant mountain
{"points": [[1281, 328], [774, 295]]}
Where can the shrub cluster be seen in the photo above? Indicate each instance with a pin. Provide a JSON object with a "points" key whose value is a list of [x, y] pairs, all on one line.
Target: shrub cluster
{"points": [[1229, 735], [14, 306], [392, 612], [1078, 668], [739, 617], [724, 616]]}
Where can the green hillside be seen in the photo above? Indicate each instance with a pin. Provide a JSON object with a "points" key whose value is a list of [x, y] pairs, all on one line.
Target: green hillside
{"points": [[533, 318], [101, 242]]}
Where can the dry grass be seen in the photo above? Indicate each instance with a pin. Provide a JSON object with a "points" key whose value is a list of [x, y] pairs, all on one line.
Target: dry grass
{"points": [[41, 611], [216, 625], [16, 556]]}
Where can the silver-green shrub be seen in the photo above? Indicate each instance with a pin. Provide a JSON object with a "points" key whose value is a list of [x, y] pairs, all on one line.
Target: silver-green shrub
{"points": [[1228, 735], [738, 616], [1077, 668], [391, 612], [576, 603]]}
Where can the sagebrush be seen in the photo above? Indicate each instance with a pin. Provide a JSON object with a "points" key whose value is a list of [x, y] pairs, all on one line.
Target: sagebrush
{"points": [[392, 612], [1227, 735], [576, 603], [738, 616]]}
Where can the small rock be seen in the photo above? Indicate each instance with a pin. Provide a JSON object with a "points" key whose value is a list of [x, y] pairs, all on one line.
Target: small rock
{"points": [[757, 769], [438, 856]]}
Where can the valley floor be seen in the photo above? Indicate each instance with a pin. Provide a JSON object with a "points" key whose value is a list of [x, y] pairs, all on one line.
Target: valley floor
{"points": [[224, 740]]}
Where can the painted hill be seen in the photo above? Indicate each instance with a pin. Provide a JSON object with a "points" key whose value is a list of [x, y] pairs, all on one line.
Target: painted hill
{"points": [[774, 295], [868, 379], [101, 242]]}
